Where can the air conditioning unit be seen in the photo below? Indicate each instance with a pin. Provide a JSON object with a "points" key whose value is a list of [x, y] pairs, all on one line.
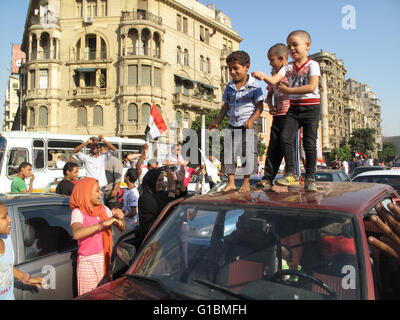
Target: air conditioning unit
{"points": [[88, 20]]}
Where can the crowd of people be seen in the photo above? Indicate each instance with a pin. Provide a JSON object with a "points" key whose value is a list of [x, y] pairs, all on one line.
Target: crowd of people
{"points": [[294, 102]]}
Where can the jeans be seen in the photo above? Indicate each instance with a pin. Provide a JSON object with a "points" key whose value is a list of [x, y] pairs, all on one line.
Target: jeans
{"points": [[308, 118]]}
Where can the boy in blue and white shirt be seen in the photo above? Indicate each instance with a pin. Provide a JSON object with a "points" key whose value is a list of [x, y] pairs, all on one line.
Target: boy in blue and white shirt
{"points": [[243, 103]]}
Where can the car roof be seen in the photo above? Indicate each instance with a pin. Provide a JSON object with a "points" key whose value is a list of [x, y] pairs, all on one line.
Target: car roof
{"points": [[356, 198], [370, 167], [10, 198], [379, 173]]}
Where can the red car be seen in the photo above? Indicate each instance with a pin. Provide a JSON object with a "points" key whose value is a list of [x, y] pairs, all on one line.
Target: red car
{"points": [[278, 244]]}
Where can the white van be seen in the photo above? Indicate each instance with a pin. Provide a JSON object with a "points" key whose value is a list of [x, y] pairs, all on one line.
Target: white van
{"points": [[42, 150]]}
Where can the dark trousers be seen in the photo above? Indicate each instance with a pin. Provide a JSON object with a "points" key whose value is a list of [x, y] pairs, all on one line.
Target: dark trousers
{"points": [[308, 118], [274, 154]]}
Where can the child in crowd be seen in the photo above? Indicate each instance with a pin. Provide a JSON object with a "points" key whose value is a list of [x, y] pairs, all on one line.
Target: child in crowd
{"points": [[243, 103], [131, 197], [7, 270], [91, 225], [278, 58], [303, 75], [24, 172], [71, 172]]}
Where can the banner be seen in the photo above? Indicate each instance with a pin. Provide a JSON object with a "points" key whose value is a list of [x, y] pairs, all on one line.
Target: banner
{"points": [[18, 58]]}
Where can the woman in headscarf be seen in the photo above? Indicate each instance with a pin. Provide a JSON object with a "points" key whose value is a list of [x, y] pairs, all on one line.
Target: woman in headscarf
{"points": [[91, 226], [154, 197]]}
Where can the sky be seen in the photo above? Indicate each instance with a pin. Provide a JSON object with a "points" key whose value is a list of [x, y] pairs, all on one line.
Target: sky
{"points": [[368, 48]]}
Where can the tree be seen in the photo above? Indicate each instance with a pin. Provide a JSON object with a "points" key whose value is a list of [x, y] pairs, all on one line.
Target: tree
{"points": [[388, 152], [343, 153], [261, 147], [362, 140]]}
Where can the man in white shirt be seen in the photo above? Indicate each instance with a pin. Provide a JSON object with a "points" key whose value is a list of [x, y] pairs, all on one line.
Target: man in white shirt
{"points": [[94, 161], [345, 166]]}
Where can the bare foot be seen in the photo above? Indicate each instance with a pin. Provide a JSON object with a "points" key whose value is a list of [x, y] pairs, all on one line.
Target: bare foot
{"points": [[245, 187], [229, 187]]}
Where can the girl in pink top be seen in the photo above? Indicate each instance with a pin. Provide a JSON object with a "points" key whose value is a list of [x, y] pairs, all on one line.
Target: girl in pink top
{"points": [[91, 226]]}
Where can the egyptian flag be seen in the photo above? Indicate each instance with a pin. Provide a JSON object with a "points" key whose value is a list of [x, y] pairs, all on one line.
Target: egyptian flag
{"points": [[156, 125]]}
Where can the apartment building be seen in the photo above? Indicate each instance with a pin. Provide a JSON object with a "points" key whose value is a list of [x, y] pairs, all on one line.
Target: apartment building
{"points": [[345, 104], [11, 103], [98, 66]]}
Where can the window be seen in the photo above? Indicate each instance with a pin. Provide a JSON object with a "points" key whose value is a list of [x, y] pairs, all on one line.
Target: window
{"points": [[46, 230], [132, 114], [38, 154], [185, 25], [15, 158], [186, 87], [146, 75], [43, 117], [82, 117], [91, 44], [44, 78], [32, 79], [186, 120], [185, 57], [98, 116], [90, 79], [201, 63], [208, 65], [31, 122], [178, 55], [179, 118], [157, 77], [63, 148], [91, 8], [79, 8], [178, 22], [132, 75], [145, 113], [178, 85], [202, 37], [103, 5]]}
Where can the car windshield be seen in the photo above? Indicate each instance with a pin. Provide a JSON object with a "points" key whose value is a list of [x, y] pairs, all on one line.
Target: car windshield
{"points": [[261, 253], [321, 176], [393, 181]]}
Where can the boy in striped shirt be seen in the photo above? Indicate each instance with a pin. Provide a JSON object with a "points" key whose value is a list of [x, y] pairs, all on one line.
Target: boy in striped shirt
{"points": [[303, 75]]}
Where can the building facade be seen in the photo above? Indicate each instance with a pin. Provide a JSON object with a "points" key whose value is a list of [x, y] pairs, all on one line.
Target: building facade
{"points": [[98, 66], [11, 103], [346, 105]]}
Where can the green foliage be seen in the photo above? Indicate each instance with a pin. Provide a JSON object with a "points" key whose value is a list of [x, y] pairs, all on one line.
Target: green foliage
{"points": [[261, 147], [388, 152], [363, 140], [344, 153]]}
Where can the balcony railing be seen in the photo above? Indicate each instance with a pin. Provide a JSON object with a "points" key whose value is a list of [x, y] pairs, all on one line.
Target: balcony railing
{"points": [[155, 53], [44, 21], [144, 15]]}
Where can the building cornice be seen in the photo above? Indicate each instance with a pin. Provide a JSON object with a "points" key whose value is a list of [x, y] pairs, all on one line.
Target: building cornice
{"points": [[208, 22]]}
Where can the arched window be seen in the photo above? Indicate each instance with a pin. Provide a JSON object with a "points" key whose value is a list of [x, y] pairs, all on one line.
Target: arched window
{"points": [[157, 45], [82, 117], [31, 117], [201, 63], [145, 114], [133, 42], [179, 118], [34, 47], [43, 117], [132, 113], [178, 55], [98, 116], [208, 65], [145, 42], [45, 45], [186, 57]]}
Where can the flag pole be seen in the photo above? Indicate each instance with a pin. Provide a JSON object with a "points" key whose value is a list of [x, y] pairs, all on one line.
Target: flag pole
{"points": [[203, 145]]}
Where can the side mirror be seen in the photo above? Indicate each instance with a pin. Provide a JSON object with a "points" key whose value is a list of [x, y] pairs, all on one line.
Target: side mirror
{"points": [[126, 252]]}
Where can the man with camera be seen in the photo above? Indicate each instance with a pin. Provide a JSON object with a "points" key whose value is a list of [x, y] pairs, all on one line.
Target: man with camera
{"points": [[94, 161]]}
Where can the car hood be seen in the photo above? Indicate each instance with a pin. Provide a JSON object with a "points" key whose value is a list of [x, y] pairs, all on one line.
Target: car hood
{"points": [[124, 289]]}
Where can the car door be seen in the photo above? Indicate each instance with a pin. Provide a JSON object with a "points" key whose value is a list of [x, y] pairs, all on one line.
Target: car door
{"points": [[47, 250]]}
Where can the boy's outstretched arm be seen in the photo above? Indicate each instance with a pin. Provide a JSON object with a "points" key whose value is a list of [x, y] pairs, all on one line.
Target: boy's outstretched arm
{"points": [[308, 88], [259, 109], [272, 80], [269, 102], [221, 116]]}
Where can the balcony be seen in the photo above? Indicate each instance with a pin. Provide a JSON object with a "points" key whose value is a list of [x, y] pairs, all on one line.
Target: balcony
{"points": [[196, 101], [142, 16], [44, 22], [89, 93], [131, 52], [43, 94]]}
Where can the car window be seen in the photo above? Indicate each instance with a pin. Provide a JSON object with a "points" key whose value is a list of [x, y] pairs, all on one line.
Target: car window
{"points": [[321, 176], [243, 248], [46, 230]]}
